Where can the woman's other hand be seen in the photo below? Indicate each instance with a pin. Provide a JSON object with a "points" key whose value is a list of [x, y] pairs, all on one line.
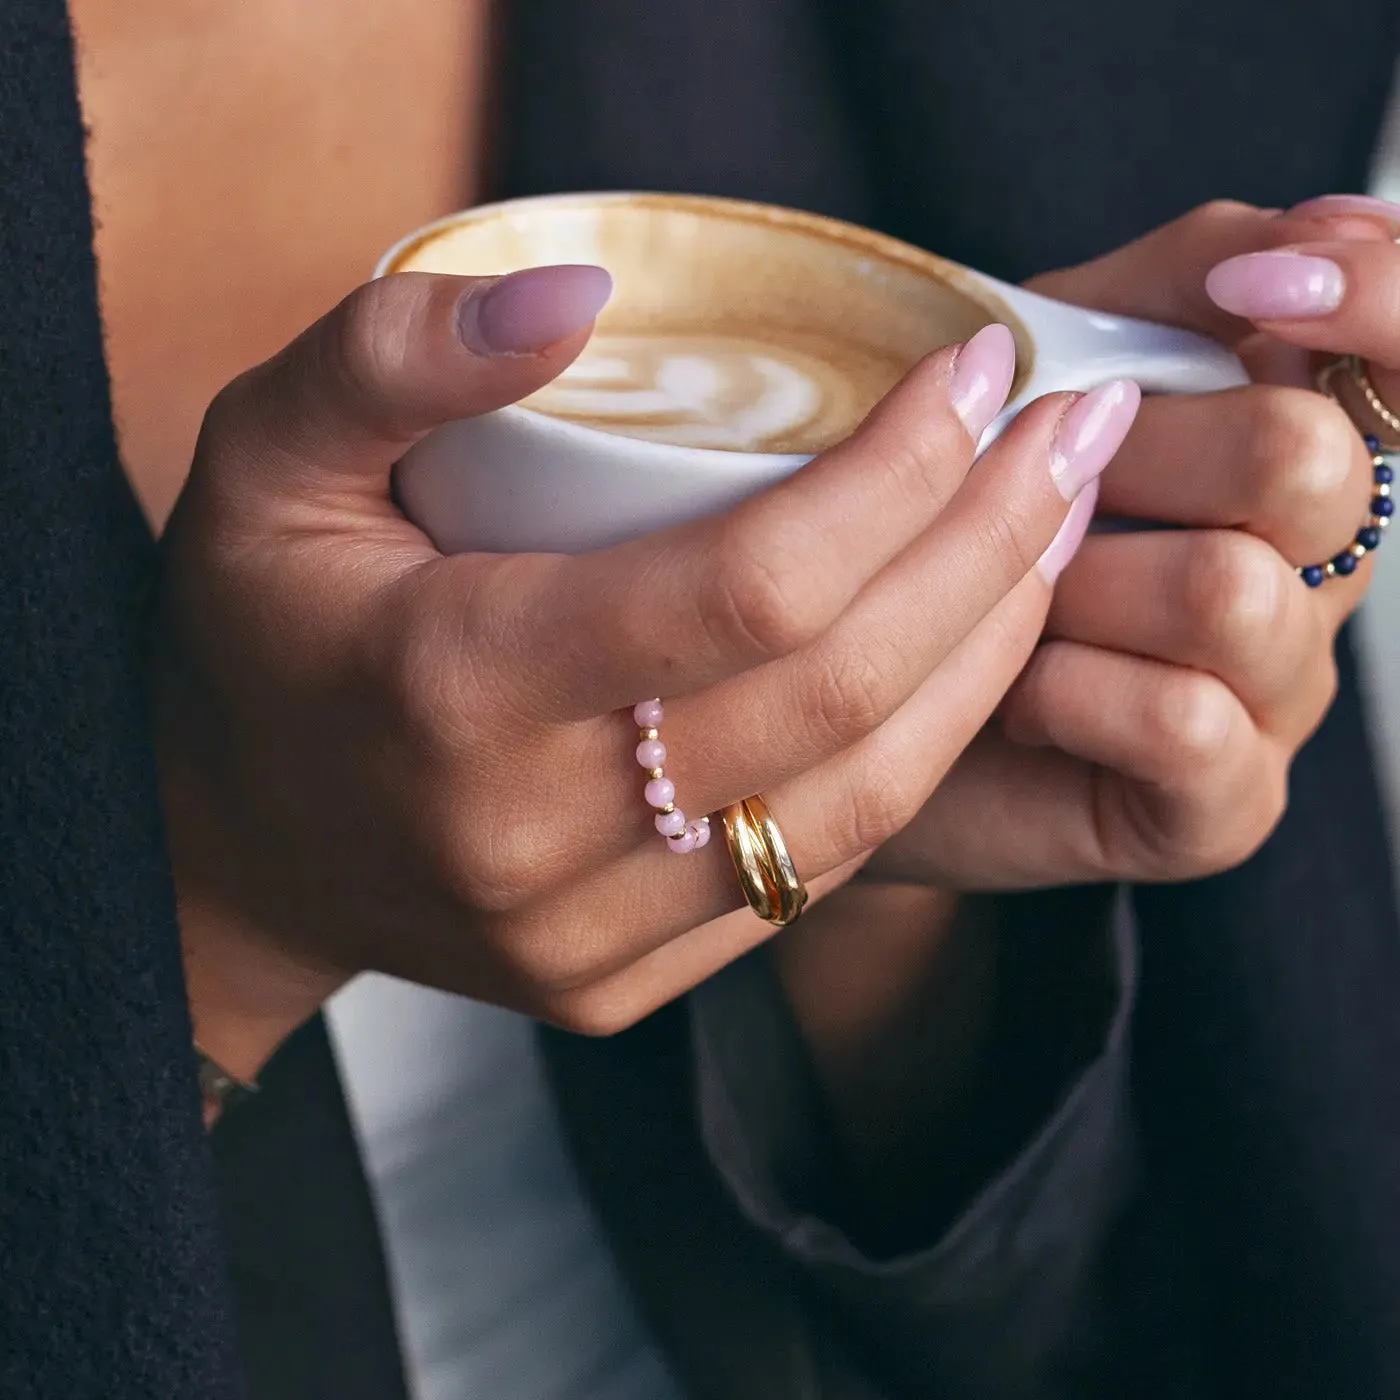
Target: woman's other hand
{"points": [[1151, 734]]}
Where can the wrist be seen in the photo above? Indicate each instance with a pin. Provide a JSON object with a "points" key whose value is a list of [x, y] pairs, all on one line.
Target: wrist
{"points": [[246, 991], [942, 1030], [246, 996], [907, 1012]]}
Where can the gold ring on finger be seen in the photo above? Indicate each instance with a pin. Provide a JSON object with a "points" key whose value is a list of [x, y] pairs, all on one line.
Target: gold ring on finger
{"points": [[792, 893], [746, 851], [770, 882]]}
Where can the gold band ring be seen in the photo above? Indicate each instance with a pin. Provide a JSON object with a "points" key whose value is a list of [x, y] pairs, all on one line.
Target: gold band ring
{"points": [[749, 864], [772, 887]]}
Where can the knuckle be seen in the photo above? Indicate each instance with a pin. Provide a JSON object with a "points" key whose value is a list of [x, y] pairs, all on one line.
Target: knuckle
{"points": [[1189, 721], [1217, 212], [414, 666], [882, 804], [847, 700], [487, 864], [1235, 593], [765, 602], [1006, 548], [415, 683], [910, 469], [595, 1012], [1245, 828], [1302, 448], [367, 348]]}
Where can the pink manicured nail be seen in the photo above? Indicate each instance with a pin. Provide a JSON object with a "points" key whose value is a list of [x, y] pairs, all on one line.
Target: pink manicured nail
{"points": [[1090, 433], [527, 311], [1276, 286], [1070, 535], [1328, 206], [981, 379]]}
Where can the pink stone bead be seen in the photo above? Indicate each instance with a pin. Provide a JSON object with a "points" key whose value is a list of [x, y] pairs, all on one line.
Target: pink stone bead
{"points": [[670, 823], [659, 792], [683, 844], [651, 753], [701, 832], [648, 714]]}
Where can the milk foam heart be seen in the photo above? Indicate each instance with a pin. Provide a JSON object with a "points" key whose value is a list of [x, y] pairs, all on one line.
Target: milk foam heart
{"points": [[735, 393], [732, 327]]}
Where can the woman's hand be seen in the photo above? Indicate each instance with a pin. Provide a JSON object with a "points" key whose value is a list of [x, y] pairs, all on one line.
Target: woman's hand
{"points": [[1151, 734], [377, 757]]}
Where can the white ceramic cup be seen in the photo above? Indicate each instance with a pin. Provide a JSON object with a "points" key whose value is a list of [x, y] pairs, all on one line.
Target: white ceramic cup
{"points": [[519, 481]]}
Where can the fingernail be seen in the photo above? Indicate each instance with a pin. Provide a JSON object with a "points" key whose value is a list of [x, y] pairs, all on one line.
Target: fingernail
{"points": [[525, 312], [1090, 433], [1333, 205], [1070, 535], [1276, 286], [981, 378]]}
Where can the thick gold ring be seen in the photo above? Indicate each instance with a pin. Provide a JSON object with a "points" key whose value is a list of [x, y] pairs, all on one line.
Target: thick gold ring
{"points": [[747, 854], [770, 882], [792, 893]]}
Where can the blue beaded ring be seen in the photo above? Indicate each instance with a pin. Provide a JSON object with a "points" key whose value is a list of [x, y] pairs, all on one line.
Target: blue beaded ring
{"points": [[1368, 537]]}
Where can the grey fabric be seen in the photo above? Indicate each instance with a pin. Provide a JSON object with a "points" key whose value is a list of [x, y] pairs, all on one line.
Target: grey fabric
{"points": [[993, 1304]]}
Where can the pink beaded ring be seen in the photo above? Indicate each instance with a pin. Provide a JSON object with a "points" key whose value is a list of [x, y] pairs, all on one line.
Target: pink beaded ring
{"points": [[681, 835]]}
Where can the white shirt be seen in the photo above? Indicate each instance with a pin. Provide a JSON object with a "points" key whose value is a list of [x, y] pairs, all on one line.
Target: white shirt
{"points": [[504, 1286]]}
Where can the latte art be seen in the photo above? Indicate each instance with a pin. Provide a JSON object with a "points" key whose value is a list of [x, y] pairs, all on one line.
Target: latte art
{"points": [[732, 327], [731, 393]]}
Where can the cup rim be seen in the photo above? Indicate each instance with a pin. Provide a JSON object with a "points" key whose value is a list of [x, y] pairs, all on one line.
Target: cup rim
{"points": [[962, 280]]}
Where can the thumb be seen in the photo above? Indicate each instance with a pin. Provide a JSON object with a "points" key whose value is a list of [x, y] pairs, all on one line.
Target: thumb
{"points": [[397, 358], [1162, 275]]}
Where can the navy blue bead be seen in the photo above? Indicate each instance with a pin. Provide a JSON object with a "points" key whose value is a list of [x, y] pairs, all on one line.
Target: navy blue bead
{"points": [[1345, 564], [1382, 505], [1369, 536], [1373, 444], [1313, 575], [1384, 475]]}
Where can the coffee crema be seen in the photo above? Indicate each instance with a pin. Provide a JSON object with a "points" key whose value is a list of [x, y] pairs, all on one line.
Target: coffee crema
{"points": [[732, 326]]}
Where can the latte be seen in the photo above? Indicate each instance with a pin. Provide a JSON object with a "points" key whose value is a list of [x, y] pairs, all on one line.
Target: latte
{"points": [[732, 326]]}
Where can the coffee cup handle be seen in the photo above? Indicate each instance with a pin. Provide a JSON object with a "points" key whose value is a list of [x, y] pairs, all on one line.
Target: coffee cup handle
{"points": [[1077, 349]]}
